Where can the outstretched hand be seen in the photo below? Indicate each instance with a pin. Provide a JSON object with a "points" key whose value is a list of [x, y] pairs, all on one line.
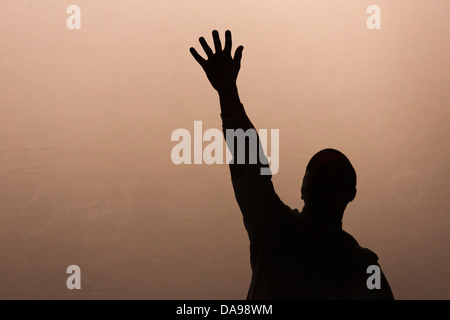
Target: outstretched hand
{"points": [[220, 68]]}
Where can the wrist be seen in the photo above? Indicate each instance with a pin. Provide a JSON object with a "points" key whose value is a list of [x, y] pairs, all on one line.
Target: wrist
{"points": [[228, 92], [231, 96], [230, 102]]}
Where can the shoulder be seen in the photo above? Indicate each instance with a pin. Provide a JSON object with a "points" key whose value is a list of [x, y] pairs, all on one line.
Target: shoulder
{"points": [[364, 253]]}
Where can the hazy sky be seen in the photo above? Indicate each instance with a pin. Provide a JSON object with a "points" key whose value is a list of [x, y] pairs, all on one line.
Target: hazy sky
{"points": [[86, 176]]}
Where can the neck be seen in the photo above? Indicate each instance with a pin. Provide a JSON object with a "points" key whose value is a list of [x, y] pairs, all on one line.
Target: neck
{"points": [[325, 215]]}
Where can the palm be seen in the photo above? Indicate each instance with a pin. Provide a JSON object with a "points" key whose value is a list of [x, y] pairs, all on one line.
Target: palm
{"points": [[220, 68]]}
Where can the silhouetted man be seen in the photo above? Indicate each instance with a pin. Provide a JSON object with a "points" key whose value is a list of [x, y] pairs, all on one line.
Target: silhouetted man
{"points": [[294, 255]]}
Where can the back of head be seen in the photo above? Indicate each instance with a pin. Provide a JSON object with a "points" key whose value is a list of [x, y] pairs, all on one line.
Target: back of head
{"points": [[329, 182]]}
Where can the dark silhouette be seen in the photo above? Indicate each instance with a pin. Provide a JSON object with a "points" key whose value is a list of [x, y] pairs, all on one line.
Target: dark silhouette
{"points": [[294, 255]]}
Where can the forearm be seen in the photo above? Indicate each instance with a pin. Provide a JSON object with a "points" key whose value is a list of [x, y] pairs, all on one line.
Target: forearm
{"points": [[230, 102], [241, 136]]}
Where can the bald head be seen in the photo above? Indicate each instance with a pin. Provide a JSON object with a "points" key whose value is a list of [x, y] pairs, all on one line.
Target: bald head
{"points": [[330, 180]]}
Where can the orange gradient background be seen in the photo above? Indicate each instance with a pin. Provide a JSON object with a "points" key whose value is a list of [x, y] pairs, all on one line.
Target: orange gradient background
{"points": [[86, 118]]}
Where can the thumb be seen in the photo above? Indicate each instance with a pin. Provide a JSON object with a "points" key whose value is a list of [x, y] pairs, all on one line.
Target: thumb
{"points": [[238, 55]]}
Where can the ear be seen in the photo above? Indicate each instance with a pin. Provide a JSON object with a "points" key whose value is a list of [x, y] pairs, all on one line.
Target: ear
{"points": [[301, 189], [352, 195]]}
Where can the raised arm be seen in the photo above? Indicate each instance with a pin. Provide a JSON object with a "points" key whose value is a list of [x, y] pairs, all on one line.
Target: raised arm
{"points": [[254, 192]]}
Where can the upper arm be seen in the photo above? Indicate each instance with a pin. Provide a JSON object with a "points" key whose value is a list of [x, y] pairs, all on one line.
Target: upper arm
{"points": [[256, 198]]}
